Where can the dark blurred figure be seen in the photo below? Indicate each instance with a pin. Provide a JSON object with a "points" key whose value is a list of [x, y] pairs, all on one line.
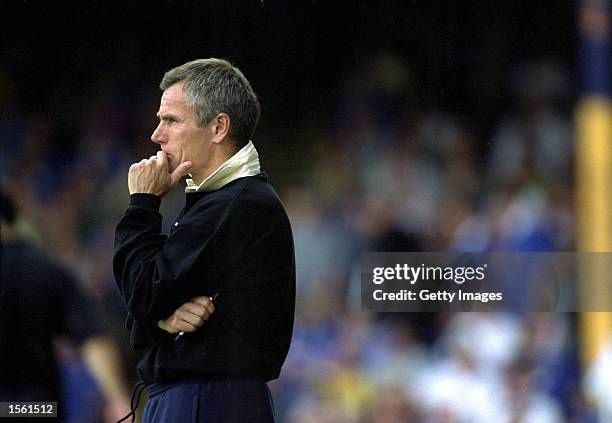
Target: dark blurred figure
{"points": [[40, 301]]}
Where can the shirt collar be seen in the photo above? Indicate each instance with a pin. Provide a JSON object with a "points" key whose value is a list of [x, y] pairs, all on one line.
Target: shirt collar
{"points": [[244, 163]]}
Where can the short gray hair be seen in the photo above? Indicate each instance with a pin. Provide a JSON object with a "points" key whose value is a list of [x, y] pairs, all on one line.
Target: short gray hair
{"points": [[214, 86]]}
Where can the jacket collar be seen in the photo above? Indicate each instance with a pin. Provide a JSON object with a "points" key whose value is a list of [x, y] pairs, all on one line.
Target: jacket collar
{"points": [[244, 163]]}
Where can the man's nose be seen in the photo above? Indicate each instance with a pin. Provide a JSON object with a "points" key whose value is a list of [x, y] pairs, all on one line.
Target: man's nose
{"points": [[156, 136]]}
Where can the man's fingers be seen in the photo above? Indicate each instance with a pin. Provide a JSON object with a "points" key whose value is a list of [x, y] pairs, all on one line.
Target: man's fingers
{"points": [[190, 316], [175, 324], [162, 157], [196, 309], [193, 313], [192, 319], [179, 318], [180, 171], [183, 326], [206, 302]]}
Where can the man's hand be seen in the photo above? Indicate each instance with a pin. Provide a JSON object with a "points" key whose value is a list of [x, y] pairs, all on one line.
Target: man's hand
{"points": [[188, 317], [152, 176]]}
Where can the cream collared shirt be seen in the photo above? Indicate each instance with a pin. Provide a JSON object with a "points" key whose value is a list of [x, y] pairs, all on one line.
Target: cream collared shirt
{"points": [[244, 163]]}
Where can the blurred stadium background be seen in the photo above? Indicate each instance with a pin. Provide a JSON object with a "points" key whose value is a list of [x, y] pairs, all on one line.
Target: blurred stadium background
{"points": [[386, 126]]}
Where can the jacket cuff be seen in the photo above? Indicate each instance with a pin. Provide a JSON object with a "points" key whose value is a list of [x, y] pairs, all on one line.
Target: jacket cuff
{"points": [[146, 201]]}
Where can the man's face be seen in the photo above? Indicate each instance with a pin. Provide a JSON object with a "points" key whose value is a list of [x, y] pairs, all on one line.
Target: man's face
{"points": [[178, 134]]}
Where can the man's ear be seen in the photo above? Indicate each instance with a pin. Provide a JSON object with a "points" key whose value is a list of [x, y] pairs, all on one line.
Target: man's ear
{"points": [[221, 127]]}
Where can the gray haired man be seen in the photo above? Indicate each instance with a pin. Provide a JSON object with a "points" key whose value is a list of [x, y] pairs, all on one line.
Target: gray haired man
{"points": [[225, 275]]}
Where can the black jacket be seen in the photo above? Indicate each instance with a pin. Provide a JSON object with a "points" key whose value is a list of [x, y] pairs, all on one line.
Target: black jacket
{"points": [[235, 241], [39, 300]]}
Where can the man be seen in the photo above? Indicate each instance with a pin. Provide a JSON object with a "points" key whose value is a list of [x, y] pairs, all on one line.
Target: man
{"points": [[40, 301], [231, 245]]}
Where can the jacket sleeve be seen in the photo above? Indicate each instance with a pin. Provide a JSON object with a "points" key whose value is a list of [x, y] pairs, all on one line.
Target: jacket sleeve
{"points": [[151, 269]]}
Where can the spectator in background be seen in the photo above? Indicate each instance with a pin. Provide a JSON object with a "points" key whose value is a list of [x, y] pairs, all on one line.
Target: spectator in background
{"points": [[39, 301], [598, 384]]}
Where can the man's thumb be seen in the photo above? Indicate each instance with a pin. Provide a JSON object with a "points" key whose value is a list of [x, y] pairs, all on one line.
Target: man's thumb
{"points": [[180, 171]]}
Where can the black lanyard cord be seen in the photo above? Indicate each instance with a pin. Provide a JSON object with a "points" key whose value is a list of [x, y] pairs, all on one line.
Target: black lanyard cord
{"points": [[135, 396]]}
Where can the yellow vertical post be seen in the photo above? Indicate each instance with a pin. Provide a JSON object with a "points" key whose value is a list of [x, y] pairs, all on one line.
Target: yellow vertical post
{"points": [[594, 212], [594, 171]]}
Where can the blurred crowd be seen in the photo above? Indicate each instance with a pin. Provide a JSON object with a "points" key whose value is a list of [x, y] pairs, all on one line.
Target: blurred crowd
{"points": [[395, 177], [384, 174]]}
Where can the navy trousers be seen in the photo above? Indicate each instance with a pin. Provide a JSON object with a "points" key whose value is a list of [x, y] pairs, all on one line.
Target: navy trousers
{"points": [[237, 401]]}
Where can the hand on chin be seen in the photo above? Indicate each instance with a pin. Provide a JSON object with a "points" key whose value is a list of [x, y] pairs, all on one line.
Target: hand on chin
{"points": [[172, 164]]}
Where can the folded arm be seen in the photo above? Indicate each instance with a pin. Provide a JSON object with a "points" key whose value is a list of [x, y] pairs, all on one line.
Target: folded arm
{"points": [[189, 317]]}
